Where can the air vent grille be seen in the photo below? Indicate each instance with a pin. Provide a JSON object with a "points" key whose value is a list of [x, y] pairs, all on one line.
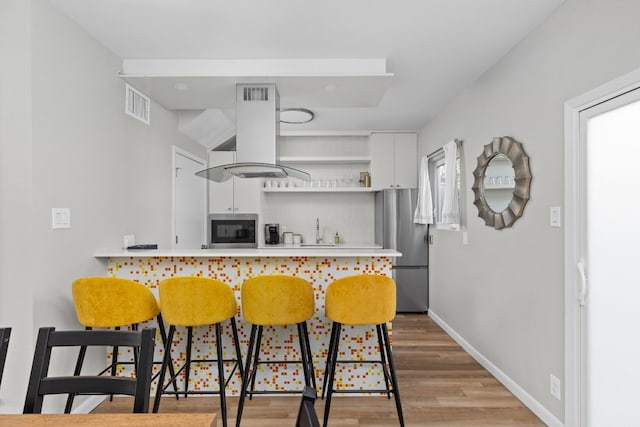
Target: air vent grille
{"points": [[137, 105], [255, 94]]}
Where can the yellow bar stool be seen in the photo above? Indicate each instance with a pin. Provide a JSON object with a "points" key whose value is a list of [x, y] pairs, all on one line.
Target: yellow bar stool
{"points": [[275, 300], [191, 302], [110, 302], [361, 300]]}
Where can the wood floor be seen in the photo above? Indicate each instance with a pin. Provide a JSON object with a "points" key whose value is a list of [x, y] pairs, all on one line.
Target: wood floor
{"points": [[440, 385]]}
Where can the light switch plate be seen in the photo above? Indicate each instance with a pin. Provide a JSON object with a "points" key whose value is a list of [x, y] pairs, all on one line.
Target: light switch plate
{"points": [[555, 216], [60, 218]]}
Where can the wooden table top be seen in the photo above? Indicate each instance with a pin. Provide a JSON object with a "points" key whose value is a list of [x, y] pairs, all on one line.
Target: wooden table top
{"points": [[111, 420]]}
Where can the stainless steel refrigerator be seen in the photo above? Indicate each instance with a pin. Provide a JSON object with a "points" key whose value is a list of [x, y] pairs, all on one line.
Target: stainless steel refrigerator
{"points": [[395, 229]]}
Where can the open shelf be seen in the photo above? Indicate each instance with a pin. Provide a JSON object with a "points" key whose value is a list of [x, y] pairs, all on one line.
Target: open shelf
{"points": [[319, 190], [324, 160]]}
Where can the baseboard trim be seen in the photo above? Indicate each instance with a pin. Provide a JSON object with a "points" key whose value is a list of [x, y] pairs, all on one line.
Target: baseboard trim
{"points": [[531, 403], [88, 405]]}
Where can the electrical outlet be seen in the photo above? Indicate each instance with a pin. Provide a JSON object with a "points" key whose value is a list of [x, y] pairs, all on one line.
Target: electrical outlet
{"points": [[555, 387]]}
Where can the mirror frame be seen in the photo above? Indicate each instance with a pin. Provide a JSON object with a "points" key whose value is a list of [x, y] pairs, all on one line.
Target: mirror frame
{"points": [[513, 150]]}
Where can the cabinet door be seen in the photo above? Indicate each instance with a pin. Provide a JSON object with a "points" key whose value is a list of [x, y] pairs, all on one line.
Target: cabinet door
{"points": [[220, 193], [246, 195], [406, 160], [382, 163]]}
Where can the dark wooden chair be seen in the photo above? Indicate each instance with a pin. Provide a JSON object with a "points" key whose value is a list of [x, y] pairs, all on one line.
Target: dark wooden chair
{"points": [[307, 416], [40, 384], [5, 333]]}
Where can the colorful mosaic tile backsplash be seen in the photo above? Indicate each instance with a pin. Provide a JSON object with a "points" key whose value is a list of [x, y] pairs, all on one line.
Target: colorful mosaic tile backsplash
{"points": [[278, 343]]}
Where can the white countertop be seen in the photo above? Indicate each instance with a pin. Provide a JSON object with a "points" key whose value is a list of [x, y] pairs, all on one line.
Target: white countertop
{"points": [[363, 250]]}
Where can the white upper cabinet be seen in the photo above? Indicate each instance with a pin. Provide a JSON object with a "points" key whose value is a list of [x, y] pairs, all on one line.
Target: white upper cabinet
{"points": [[394, 160], [237, 195]]}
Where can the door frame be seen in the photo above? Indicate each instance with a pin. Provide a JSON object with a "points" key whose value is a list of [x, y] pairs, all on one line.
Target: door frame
{"points": [[175, 151], [573, 173]]}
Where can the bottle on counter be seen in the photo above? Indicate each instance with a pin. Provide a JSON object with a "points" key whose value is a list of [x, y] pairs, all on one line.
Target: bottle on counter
{"points": [[336, 239]]}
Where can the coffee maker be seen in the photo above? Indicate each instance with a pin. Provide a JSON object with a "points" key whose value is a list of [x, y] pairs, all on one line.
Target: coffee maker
{"points": [[272, 234]]}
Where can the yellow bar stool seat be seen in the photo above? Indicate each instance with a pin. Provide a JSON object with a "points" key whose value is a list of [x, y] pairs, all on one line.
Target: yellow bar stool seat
{"points": [[110, 302], [198, 301], [361, 300], [275, 300]]}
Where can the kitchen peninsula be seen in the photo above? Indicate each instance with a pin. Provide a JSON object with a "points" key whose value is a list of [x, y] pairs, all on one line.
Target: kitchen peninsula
{"points": [[319, 265]]}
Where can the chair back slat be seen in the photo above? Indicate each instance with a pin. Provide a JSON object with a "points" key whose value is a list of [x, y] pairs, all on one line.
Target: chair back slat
{"points": [[307, 416], [96, 338], [88, 385], [40, 384]]}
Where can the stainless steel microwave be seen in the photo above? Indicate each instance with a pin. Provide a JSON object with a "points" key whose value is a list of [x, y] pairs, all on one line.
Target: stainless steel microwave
{"points": [[232, 231]]}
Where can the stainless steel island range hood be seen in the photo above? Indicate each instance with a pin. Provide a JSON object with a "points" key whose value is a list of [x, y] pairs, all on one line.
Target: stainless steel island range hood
{"points": [[257, 132]]}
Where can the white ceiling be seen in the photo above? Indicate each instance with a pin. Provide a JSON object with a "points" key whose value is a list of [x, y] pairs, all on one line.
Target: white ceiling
{"points": [[434, 49]]}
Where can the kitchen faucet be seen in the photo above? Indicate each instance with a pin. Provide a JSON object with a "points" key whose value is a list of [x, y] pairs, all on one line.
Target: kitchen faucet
{"points": [[318, 238]]}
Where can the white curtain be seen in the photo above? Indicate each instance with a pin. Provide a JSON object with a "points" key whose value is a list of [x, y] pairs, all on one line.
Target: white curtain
{"points": [[424, 206], [450, 206]]}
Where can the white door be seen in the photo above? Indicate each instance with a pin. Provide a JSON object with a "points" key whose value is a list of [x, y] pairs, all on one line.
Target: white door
{"points": [[609, 314], [190, 201]]}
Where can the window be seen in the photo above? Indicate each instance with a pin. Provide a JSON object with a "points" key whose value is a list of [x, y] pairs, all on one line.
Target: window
{"points": [[438, 184]]}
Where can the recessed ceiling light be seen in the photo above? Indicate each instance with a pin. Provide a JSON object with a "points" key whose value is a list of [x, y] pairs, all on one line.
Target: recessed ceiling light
{"points": [[296, 115], [181, 86]]}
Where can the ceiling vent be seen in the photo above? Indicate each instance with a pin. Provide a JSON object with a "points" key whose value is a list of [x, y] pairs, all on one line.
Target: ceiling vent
{"points": [[137, 105], [255, 94]]}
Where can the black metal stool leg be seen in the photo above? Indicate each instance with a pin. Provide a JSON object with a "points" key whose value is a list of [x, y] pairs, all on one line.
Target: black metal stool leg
{"points": [[332, 342], [165, 361], [394, 381], [188, 361], [306, 369], [332, 371], [245, 379], [236, 344], [309, 355], [163, 336], [256, 360], [383, 360], [221, 380]]}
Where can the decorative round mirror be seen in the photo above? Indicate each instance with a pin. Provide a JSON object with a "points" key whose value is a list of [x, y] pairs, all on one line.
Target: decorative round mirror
{"points": [[502, 181]]}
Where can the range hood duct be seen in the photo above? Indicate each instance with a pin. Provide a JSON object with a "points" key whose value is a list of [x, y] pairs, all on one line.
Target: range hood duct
{"points": [[257, 132]]}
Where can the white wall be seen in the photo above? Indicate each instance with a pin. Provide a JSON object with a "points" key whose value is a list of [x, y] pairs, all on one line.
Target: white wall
{"points": [[82, 152], [507, 299], [16, 242], [349, 214]]}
